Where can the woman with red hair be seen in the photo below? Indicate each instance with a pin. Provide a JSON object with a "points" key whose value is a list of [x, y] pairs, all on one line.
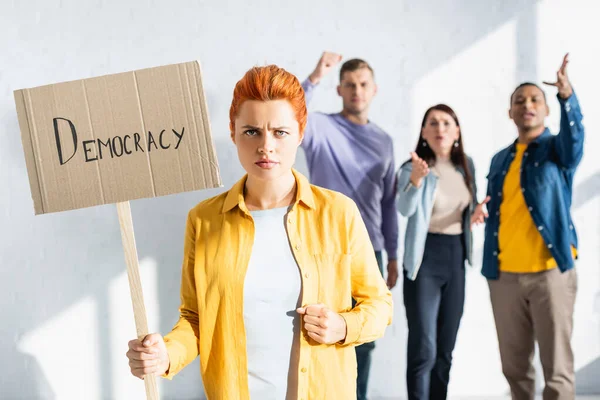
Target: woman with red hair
{"points": [[270, 269]]}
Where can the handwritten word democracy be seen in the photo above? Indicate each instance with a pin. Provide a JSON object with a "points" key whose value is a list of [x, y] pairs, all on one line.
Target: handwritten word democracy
{"points": [[117, 146]]}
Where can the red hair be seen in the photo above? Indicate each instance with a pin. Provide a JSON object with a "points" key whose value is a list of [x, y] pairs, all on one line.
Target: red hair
{"points": [[269, 83]]}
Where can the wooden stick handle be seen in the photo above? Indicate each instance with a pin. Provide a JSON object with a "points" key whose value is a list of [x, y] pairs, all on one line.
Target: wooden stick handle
{"points": [[135, 286]]}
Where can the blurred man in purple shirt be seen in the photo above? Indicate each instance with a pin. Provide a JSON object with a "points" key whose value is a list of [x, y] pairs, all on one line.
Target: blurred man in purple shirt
{"points": [[348, 153]]}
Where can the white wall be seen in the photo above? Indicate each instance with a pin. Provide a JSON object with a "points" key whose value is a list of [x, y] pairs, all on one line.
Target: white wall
{"points": [[66, 315]]}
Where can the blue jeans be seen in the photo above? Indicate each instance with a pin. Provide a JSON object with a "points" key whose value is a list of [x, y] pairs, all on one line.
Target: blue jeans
{"points": [[434, 304], [363, 353]]}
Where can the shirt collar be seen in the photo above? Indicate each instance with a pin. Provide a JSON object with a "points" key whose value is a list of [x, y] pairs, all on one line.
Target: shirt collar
{"points": [[235, 195], [535, 141]]}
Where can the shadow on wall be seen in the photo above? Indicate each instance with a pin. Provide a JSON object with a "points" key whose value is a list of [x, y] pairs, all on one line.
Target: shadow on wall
{"points": [[587, 378], [50, 262], [586, 190], [22, 377]]}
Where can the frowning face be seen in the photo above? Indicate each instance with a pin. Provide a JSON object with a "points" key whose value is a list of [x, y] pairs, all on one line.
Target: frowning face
{"points": [[267, 138]]}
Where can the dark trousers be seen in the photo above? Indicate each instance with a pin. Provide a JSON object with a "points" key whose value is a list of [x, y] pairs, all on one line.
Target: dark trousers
{"points": [[363, 353], [434, 304]]}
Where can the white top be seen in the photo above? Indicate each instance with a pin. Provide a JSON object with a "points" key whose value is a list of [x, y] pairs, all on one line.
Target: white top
{"points": [[272, 293], [451, 198]]}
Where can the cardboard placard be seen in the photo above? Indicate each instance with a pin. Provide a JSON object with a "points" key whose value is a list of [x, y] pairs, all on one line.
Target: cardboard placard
{"points": [[118, 137]]}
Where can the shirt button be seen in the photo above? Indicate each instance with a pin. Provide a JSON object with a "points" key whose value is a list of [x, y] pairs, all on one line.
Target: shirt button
{"points": [[307, 275], [536, 164], [540, 228], [523, 190], [495, 233], [530, 208], [572, 123], [495, 253], [497, 213], [499, 193], [525, 154], [303, 370], [503, 172], [571, 227], [297, 247], [550, 246]]}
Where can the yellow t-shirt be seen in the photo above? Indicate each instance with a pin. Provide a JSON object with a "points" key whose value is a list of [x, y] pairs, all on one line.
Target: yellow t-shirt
{"points": [[521, 247]]}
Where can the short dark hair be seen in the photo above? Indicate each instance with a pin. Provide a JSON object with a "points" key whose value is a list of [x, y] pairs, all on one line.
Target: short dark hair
{"points": [[522, 85], [353, 65]]}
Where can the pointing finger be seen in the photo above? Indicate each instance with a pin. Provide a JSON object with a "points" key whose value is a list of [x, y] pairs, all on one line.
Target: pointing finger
{"points": [[550, 83]]}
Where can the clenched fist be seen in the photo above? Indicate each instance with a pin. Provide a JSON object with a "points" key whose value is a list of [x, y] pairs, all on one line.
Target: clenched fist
{"points": [[326, 63], [148, 357], [322, 324]]}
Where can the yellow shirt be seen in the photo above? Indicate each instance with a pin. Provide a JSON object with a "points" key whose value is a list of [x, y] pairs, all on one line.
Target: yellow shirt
{"points": [[336, 260], [522, 248]]}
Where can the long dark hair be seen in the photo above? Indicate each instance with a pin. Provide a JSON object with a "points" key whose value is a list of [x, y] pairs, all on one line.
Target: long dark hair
{"points": [[457, 154]]}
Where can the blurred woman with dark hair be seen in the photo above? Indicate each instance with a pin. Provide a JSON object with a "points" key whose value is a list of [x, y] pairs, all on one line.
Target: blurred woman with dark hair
{"points": [[438, 194]]}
